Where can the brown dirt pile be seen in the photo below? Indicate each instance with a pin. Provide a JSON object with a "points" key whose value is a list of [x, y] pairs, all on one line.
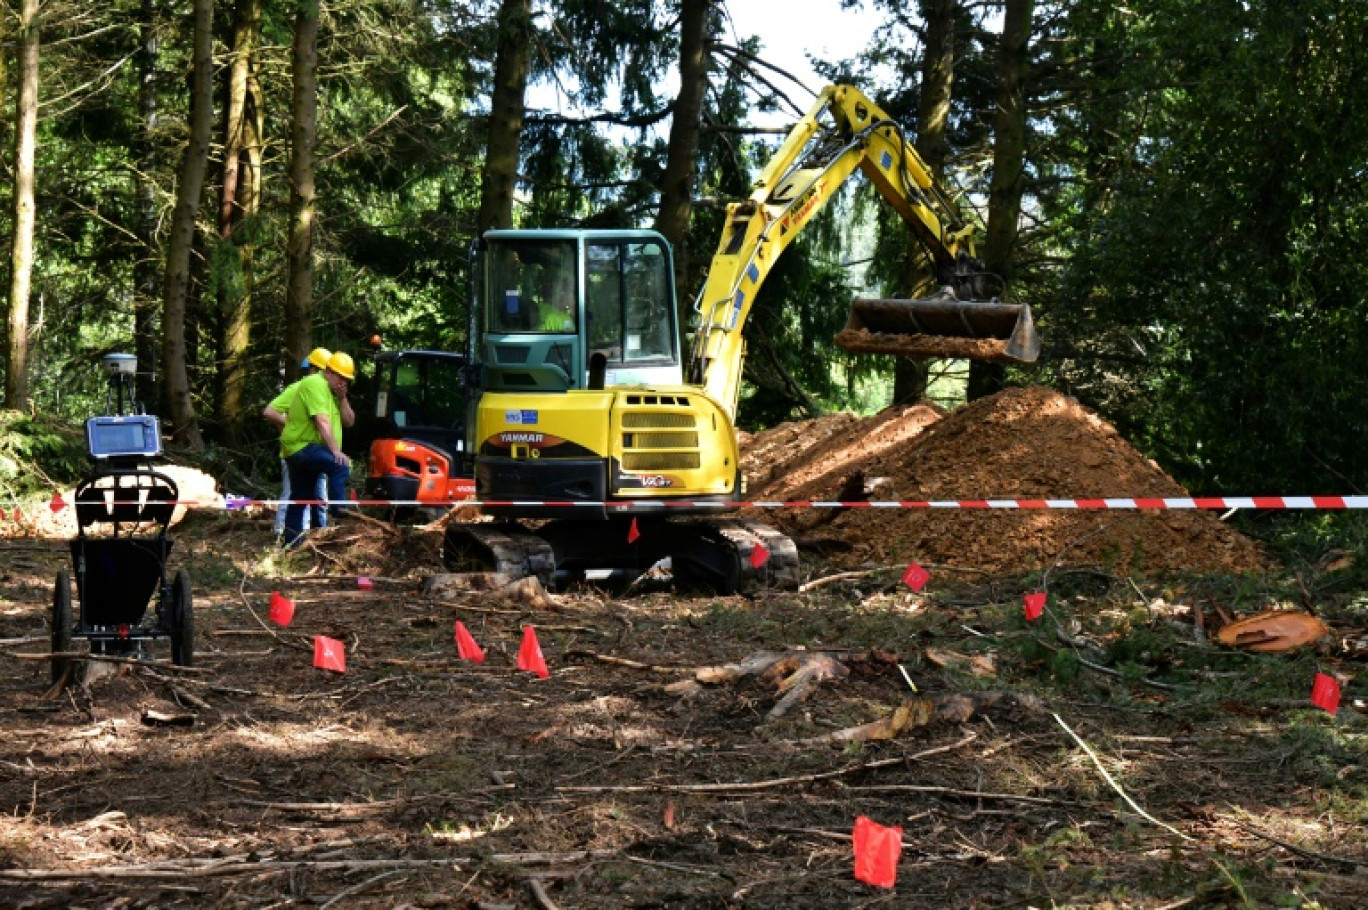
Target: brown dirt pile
{"points": [[1023, 443]]}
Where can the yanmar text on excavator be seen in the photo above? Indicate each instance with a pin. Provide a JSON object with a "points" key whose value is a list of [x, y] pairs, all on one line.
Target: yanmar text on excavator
{"points": [[588, 419]]}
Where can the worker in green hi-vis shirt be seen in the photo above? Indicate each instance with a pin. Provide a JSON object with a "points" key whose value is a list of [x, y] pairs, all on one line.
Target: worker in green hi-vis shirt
{"points": [[275, 413], [311, 442]]}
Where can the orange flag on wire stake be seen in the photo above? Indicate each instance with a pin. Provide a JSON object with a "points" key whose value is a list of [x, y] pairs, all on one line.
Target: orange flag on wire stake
{"points": [[530, 654], [1325, 693], [758, 556], [1033, 605], [282, 609], [57, 504], [633, 532], [916, 577], [330, 654], [466, 648], [876, 852]]}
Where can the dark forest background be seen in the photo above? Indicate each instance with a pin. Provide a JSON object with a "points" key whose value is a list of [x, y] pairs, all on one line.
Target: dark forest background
{"points": [[1178, 188]]}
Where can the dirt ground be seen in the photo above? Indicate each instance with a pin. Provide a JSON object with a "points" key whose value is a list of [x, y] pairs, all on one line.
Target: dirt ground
{"points": [[1107, 755], [417, 779]]}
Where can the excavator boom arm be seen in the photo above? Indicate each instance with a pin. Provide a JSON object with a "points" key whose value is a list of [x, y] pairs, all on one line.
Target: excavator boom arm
{"points": [[842, 132]]}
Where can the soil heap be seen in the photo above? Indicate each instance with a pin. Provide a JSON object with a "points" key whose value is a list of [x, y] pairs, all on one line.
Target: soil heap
{"points": [[1023, 443]]}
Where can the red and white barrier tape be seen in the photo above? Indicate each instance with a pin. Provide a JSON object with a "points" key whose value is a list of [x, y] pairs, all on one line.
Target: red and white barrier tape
{"points": [[1223, 503], [1197, 502]]}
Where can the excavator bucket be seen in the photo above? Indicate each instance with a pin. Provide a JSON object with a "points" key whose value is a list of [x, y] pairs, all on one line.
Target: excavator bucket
{"points": [[942, 326]]}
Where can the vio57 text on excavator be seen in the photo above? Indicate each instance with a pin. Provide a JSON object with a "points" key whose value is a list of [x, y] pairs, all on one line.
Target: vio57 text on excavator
{"points": [[597, 447]]}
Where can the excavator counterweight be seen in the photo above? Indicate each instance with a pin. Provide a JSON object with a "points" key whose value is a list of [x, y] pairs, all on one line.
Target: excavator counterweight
{"points": [[942, 326]]}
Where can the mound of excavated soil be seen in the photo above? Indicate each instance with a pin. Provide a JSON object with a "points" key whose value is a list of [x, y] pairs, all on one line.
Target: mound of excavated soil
{"points": [[1023, 443], [829, 453]]}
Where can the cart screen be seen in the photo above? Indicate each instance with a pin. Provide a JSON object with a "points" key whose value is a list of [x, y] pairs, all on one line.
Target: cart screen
{"points": [[138, 436]]}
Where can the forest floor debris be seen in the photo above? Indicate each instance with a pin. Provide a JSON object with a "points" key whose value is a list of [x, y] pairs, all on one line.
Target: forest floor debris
{"points": [[416, 779]]}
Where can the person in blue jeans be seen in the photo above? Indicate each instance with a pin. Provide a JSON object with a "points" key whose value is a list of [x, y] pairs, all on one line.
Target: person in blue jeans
{"points": [[275, 412], [311, 442]]}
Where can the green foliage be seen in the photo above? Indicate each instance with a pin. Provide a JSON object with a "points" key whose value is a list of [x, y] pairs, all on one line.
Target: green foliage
{"points": [[36, 453], [1313, 541], [1212, 304], [1193, 245]]}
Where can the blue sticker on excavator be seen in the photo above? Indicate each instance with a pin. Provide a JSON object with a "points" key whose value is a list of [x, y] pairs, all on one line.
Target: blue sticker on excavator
{"points": [[736, 309]]}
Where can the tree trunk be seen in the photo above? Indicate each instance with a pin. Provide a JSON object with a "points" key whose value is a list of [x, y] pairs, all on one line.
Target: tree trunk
{"points": [[237, 204], [303, 136], [145, 273], [21, 250], [1009, 158], [188, 193], [681, 162], [500, 173], [911, 376]]}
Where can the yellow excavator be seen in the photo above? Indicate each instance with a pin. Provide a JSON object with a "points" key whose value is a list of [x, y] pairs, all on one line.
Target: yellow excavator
{"points": [[598, 450]]}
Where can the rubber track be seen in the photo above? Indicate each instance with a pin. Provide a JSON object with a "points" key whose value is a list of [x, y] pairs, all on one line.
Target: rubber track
{"points": [[508, 549], [779, 571], [517, 552]]}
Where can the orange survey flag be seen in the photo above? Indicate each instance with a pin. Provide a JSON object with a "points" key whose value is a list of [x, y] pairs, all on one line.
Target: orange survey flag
{"points": [[330, 654], [876, 852], [1325, 692], [530, 655], [282, 609], [916, 577], [466, 648]]}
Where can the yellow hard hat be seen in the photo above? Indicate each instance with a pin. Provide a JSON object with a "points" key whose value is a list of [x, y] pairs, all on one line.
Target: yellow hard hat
{"points": [[342, 365], [318, 358]]}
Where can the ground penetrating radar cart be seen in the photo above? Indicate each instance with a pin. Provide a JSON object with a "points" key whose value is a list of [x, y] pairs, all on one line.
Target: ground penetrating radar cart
{"points": [[119, 554]]}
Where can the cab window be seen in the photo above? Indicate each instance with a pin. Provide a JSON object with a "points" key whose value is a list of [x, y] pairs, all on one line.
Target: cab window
{"points": [[628, 303], [532, 287], [428, 393]]}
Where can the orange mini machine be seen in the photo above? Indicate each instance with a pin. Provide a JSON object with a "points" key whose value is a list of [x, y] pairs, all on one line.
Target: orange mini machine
{"points": [[418, 458]]}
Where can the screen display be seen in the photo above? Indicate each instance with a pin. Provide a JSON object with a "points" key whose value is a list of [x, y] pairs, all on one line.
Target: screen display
{"points": [[109, 437]]}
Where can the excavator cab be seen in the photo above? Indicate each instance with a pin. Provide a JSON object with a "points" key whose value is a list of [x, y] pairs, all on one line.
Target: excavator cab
{"points": [[574, 309]]}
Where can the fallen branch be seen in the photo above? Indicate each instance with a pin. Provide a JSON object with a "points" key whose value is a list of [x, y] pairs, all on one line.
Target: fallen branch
{"points": [[540, 896], [1115, 786], [842, 576], [469, 609], [242, 594], [752, 786], [630, 664], [200, 868], [357, 889], [104, 658], [957, 793], [1300, 851], [902, 567], [1098, 668]]}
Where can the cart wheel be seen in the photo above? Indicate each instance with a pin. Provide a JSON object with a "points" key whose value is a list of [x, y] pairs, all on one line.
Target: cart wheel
{"points": [[61, 625], [182, 621]]}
